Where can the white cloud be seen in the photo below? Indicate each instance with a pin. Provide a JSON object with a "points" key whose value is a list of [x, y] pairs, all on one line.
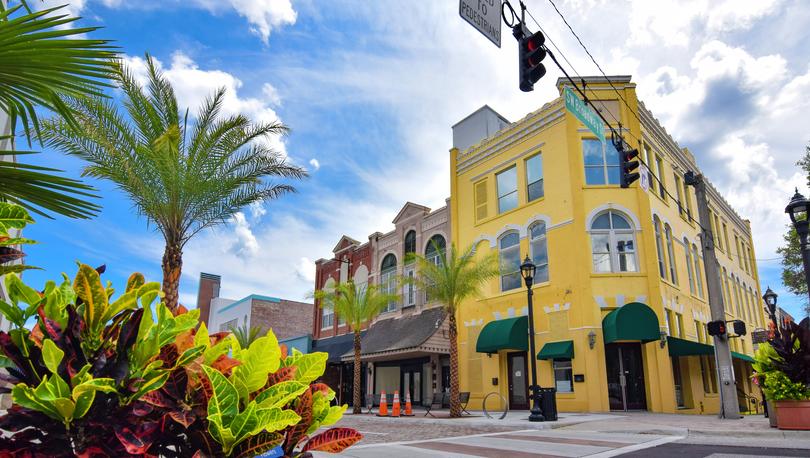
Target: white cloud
{"points": [[257, 210], [306, 269], [272, 95], [192, 85], [315, 164], [264, 16], [244, 243]]}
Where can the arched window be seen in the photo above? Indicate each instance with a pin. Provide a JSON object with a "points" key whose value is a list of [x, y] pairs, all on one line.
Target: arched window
{"points": [[613, 243], [538, 244], [509, 245], [673, 272], [435, 249], [689, 265], [410, 245], [659, 247], [698, 270], [388, 282]]}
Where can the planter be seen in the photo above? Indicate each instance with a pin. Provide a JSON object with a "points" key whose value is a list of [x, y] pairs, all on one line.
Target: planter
{"points": [[771, 406], [793, 415]]}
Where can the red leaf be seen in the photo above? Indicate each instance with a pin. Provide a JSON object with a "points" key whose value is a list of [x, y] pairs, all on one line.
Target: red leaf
{"points": [[258, 444], [180, 310], [156, 398], [92, 452], [224, 364], [283, 348], [322, 387], [282, 375], [184, 417], [333, 440], [296, 433], [136, 442]]}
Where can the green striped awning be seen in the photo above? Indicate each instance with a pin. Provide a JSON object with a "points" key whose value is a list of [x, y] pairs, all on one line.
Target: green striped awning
{"points": [[557, 350], [506, 334], [634, 322], [741, 356], [682, 347]]}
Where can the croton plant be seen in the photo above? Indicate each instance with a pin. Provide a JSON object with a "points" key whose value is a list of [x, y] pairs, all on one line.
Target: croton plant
{"points": [[92, 376]]}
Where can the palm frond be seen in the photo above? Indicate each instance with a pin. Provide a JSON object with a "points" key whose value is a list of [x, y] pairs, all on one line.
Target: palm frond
{"points": [[41, 190], [244, 335], [355, 304], [41, 62]]}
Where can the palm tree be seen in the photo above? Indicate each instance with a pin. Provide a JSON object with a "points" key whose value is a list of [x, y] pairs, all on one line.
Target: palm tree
{"points": [[244, 335], [356, 305], [454, 279], [183, 178], [42, 60]]}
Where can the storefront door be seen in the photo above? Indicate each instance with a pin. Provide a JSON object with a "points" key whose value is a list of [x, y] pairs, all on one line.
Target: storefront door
{"points": [[625, 376], [518, 381], [412, 383]]}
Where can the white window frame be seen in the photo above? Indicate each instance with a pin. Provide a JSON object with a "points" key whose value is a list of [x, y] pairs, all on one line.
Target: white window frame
{"points": [[687, 249], [512, 169], [603, 165], [388, 283], [409, 290], [613, 239], [564, 365], [541, 180], [501, 255], [673, 271], [534, 243], [698, 273], [327, 317]]}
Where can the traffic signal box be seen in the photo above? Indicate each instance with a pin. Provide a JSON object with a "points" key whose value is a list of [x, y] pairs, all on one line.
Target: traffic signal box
{"points": [[531, 52], [627, 162]]}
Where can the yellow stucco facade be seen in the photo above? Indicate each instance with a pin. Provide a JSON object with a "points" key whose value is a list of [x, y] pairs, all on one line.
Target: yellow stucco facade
{"points": [[596, 264]]}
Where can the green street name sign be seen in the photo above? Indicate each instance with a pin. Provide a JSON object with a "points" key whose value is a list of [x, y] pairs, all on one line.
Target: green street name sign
{"points": [[584, 113]]}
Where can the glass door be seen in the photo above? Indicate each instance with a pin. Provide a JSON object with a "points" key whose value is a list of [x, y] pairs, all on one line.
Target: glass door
{"points": [[625, 376], [518, 381]]}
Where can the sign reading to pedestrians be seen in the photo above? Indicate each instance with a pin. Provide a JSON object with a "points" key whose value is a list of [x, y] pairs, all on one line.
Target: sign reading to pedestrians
{"points": [[584, 113], [484, 15]]}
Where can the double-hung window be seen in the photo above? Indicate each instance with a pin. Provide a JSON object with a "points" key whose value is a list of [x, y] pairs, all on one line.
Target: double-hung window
{"points": [[534, 178], [539, 248], [507, 189], [601, 162], [563, 375], [388, 282], [659, 247], [673, 272], [509, 245], [689, 272]]}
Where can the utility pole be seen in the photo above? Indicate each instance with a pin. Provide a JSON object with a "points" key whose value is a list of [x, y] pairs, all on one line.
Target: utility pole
{"points": [[729, 408]]}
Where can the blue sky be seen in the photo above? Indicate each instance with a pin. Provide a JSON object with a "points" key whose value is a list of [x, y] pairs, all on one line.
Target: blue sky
{"points": [[371, 89]]}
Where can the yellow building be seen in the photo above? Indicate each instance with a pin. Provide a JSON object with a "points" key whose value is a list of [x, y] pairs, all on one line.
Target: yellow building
{"points": [[620, 298]]}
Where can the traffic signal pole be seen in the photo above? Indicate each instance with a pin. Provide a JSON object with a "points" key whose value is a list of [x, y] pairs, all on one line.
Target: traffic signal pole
{"points": [[729, 408]]}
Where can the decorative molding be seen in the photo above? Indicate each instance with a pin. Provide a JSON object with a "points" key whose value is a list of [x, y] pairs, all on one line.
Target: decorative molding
{"points": [[601, 301], [612, 206]]}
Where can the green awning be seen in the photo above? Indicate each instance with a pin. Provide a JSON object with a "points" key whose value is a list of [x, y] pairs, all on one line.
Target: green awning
{"points": [[741, 356], [633, 321], [507, 334], [682, 347], [557, 350]]}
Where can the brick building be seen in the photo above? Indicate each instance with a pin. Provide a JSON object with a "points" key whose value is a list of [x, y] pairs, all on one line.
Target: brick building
{"points": [[287, 318], [406, 347]]}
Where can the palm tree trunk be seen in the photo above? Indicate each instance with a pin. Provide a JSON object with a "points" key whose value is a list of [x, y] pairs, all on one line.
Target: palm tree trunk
{"points": [[455, 404], [356, 401], [172, 265]]}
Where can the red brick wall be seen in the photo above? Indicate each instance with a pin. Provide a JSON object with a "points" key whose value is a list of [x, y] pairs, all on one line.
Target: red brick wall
{"points": [[286, 318], [209, 285], [331, 269]]}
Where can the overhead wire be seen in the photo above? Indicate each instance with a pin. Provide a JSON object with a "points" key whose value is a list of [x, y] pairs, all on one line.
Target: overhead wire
{"points": [[662, 186]]}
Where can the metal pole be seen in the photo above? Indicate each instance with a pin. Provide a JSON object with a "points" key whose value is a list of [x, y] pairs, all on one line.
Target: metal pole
{"points": [[729, 408], [536, 412], [802, 231]]}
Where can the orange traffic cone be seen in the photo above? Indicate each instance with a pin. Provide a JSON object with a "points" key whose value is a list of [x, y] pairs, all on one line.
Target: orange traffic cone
{"points": [[396, 408], [383, 412], [408, 407]]}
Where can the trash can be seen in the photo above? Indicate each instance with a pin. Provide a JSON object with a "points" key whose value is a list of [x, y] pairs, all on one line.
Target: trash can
{"points": [[548, 402]]}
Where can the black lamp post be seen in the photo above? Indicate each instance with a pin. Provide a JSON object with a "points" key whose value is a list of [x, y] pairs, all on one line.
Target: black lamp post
{"points": [[797, 209], [527, 270], [770, 302]]}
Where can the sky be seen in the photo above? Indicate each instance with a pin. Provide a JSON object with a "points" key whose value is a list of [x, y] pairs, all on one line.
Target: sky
{"points": [[370, 91]]}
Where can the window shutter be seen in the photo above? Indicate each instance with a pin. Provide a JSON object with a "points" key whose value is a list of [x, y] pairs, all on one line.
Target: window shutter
{"points": [[481, 200]]}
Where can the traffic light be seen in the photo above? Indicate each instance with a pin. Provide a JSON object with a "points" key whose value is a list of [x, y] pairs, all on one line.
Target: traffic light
{"points": [[628, 165], [716, 328], [531, 53], [739, 327]]}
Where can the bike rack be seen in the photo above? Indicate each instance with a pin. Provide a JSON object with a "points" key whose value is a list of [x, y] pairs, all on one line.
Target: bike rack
{"points": [[503, 401]]}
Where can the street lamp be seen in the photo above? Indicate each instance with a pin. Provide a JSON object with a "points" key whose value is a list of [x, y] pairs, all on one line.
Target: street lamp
{"points": [[527, 270], [770, 302], [797, 210]]}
